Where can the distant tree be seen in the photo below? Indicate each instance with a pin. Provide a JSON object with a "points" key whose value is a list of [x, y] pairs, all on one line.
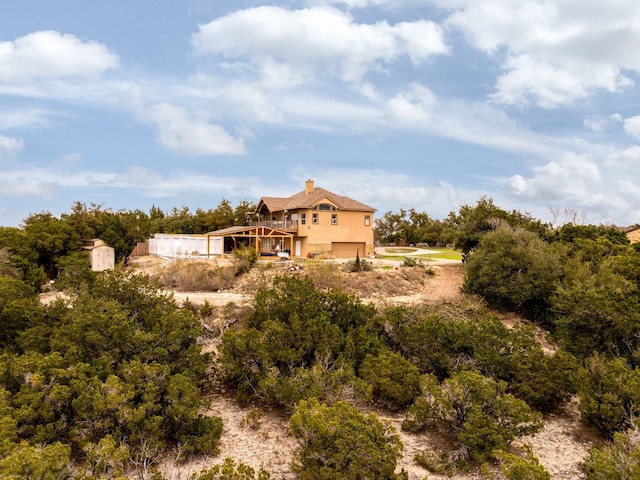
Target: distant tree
{"points": [[85, 221], [472, 222], [50, 238], [115, 234], [412, 226], [17, 254], [243, 211], [339, 442], [19, 309], [571, 232]]}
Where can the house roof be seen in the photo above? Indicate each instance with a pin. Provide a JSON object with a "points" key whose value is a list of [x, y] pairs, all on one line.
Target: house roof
{"points": [[629, 229], [306, 199]]}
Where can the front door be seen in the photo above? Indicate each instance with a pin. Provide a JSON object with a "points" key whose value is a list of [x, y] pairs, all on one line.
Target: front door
{"points": [[298, 248]]}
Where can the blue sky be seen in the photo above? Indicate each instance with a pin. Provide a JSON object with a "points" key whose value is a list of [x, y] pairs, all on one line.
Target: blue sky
{"points": [[425, 104]]}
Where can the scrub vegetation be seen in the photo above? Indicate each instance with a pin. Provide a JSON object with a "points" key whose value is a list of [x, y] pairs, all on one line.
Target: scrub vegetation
{"points": [[111, 380]]}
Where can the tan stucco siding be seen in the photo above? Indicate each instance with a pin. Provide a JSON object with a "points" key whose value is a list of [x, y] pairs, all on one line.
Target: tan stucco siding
{"points": [[349, 227], [634, 235]]}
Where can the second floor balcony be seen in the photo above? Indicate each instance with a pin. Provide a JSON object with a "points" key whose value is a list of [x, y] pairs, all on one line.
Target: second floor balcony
{"points": [[290, 226]]}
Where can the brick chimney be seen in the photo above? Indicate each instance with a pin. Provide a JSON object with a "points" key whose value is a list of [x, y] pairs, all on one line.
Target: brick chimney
{"points": [[308, 187]]}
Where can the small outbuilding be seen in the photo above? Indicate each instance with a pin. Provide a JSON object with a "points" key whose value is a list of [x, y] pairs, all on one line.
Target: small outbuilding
{"points": [[101, 255]]}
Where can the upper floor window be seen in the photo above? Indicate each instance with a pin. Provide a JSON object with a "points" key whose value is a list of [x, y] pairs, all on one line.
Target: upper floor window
{"points": [[367, 220], [314, 218], [334, 219], [325, 207], [303, 219]]}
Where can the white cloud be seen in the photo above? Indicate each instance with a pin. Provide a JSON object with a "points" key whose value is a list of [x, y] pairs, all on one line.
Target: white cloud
{"points": [[45, 183], [49, 54], [385, 189], [297, 45], [607, 193], [190, 137], [72, 158], [571, 179], [9, 148], [632, 126], [412, 108], [554, 52], [32, 183], [599, 123], [27, 117]]}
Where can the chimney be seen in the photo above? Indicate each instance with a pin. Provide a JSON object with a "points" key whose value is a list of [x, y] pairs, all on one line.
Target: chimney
{"points": [[308, 187]]}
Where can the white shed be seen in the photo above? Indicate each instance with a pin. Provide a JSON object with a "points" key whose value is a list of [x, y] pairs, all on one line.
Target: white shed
{"points": [[101, 255]]}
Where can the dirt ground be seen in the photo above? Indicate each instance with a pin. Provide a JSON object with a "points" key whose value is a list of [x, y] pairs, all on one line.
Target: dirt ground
{"points": [[260, 438], [393, 286]]}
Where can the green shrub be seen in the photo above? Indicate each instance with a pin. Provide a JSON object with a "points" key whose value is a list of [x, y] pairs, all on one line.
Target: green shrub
{"points": [[441, 463], [609, 394], [326, 385], [617, 460], [513, 269], [357, 265], [412, 262], [395, 380], [440, 339], [245, 259], [514, 467], [298, 343], [230, 470], [475, 409], [339, 442]]}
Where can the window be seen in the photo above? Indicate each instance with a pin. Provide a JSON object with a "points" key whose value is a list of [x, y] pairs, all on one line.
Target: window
{"points": [[314, 218], [334, 219], [303, 219], [367, 220], [325, 207]]}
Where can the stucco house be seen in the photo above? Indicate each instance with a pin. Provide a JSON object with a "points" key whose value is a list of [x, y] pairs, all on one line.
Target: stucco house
{"points": [[315, 221], [312, 222], [632, 233]]}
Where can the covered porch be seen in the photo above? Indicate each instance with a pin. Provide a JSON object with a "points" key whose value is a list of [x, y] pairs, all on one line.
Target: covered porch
{"points": [[267, 241]]}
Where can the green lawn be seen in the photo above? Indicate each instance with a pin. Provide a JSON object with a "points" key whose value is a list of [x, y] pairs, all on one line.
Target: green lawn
{"points": [[443, 253]]}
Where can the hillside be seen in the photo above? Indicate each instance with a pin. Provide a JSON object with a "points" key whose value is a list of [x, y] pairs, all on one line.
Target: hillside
{"points": [[260, 438]]}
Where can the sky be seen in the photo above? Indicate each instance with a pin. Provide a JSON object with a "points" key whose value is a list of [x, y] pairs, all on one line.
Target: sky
{"points": [[424, 104]]}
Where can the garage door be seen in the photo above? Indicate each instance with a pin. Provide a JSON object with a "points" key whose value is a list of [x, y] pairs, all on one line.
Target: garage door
{"points": [[347, 249]]}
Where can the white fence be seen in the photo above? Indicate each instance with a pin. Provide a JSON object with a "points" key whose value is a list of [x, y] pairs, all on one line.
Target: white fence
{"points": [[185, 246]]}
